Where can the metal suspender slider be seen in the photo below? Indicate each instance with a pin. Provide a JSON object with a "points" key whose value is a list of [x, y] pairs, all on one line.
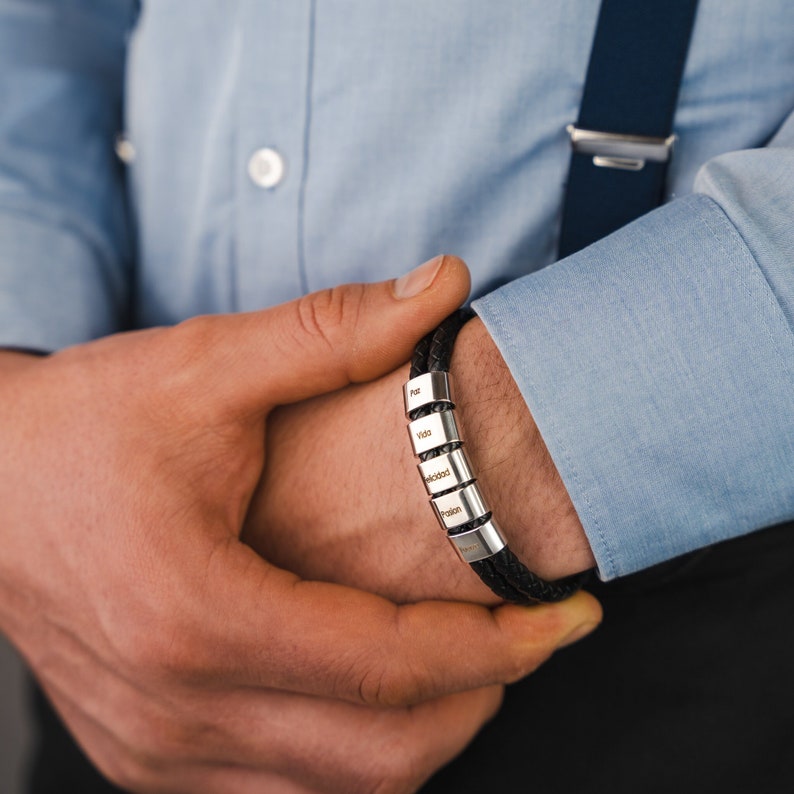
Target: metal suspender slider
{"points": [[614, 150]]}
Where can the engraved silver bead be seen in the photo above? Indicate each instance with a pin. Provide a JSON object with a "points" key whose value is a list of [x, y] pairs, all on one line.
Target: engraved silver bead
{"points": [[432, 387], [446, 471], [480, 543], [459, 507], [433, 431]]}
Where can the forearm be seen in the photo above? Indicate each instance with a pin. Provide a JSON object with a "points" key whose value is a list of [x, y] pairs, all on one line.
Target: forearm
{"points": [[516, 473]]}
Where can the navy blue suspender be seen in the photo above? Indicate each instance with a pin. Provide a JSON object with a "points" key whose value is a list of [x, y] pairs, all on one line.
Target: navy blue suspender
{"points": [[623, 138]]}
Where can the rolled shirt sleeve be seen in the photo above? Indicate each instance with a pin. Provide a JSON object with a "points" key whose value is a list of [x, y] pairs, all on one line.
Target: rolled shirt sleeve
{"points": [[65, 243], [659, 365]]}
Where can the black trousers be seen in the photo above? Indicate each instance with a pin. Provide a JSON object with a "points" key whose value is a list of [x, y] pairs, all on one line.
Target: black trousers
{"points": [[688, 686]]}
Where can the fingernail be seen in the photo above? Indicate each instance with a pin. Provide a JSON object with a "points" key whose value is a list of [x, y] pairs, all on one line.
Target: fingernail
{"points": [[577, 634], [418, 280]]}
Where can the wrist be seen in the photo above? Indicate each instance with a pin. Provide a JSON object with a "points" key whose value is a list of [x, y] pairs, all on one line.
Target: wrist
{"points": [[516, 472], [382, 538]]}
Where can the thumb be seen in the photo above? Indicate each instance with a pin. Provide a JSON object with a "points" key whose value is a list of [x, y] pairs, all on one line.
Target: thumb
{"points": [[328, 339]]}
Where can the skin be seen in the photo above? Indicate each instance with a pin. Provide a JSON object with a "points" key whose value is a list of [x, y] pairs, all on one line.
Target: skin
{"points": [[390, 541], [180, 659]]}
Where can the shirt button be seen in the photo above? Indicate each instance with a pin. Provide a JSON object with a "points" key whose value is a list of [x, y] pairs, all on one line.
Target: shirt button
{"points": [[266, 168], [125, 151]]}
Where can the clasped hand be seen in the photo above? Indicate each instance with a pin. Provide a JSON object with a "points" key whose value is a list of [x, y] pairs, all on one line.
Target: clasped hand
{"points": [[180, 659]]}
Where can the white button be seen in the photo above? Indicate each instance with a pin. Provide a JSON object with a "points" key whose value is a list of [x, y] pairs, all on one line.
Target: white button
{"points": [[266, 168], [125, 151]]}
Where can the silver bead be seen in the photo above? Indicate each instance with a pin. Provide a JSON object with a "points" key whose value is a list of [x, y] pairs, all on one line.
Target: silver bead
{"points": [[480, 543], [446, 471], [433, 431], [459, 507], [432, 387]]}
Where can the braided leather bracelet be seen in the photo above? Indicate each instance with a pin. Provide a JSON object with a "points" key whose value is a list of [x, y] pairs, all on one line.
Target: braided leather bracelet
{"points": [[451, 483]]}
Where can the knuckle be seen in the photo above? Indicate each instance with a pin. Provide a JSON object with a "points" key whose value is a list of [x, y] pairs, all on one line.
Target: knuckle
{"points": [[398, 769], [385, 674], [124, 773], [387, 765], [371, 690], [194, 333], [172, 740], [154, 742], [131, 775], [325, 316], [386, 684], [359, 676], [318, 317], [180, 659], [181, 353], [368, 675], [128, 771], [395, 779], [168, 655], [185, 344]]}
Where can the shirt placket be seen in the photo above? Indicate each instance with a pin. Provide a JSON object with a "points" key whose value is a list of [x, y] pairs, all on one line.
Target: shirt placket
{"points": [[271, 150]]}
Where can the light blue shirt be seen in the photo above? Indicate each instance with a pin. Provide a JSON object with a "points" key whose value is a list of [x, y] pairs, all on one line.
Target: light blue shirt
{"points": [[657, 363]]}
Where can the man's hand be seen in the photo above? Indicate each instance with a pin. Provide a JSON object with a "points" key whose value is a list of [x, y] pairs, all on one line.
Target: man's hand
{"points": [[180, 659], [369, 523]]}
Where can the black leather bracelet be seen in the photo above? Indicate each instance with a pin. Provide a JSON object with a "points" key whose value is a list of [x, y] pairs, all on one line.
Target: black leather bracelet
{"points": [[450, 481]]}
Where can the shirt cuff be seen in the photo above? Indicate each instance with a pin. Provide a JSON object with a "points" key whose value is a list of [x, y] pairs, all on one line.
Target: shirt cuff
{"points": [[657, 365], [53, 290]]}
